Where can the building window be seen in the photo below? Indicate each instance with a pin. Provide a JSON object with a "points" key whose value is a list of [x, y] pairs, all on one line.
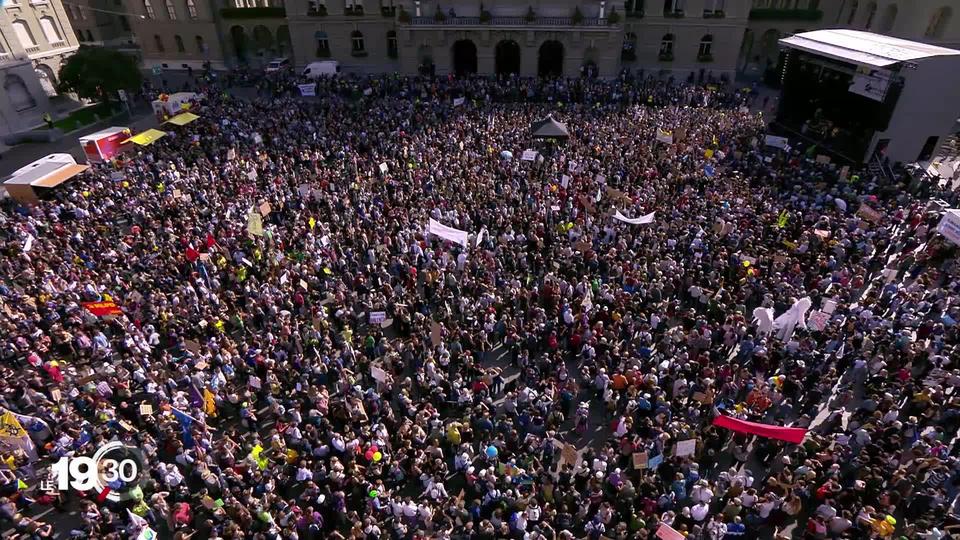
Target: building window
{"points": [[50, 30], [705, 52], [393, 50], [938, 22], [323, 45], [149, 9], [356, 41], [672, 7], [24, 34], [179, 42], [158, 42], [634, 8], [124, 23], [853, 12], [192, 9], [353, 7], [171, 11], [666, 47], [871, 13], [628, 53], [201, 46], [889, 18], [89, 35], [80, 36], [713, 7]]}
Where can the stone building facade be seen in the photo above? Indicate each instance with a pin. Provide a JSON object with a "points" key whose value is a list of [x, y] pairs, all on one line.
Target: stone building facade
{"points": [[719, 37], [35, 38]]}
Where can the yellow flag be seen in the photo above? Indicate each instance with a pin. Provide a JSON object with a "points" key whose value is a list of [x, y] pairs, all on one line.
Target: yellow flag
{"points": [[209, 403], [312, 223], [10, 427]]}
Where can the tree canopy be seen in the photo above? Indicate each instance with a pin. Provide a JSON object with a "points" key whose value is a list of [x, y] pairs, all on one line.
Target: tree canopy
{"points": [[97, 73]]}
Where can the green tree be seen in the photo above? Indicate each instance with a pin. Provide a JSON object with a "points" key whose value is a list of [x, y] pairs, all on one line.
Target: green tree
{"points": [[97, 73]]}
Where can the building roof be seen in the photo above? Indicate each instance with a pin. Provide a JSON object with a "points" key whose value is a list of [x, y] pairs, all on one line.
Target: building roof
{"points": [[103, 133], [864, 47]]}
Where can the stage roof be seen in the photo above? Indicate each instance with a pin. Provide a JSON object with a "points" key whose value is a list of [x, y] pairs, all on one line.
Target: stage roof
{"points": [[864, 47]]}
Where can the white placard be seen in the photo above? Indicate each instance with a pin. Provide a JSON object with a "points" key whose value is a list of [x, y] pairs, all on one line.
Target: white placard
{"points": [[377, 317], [458, 101], [686, 448], [529, 155], [384, 168], [778, 142], [565, 181], [307, 89], [950, 225]]}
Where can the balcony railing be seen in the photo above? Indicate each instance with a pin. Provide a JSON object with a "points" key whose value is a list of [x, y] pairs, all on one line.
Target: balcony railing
{"points": [[31, 50], [507, 21], [767, 14], [253, 13], [58, 44]]}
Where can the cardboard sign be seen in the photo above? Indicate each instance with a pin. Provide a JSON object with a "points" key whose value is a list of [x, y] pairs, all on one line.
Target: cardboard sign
{"points": [[55, 395], [377, 317], [265, 209], [191, 346], [436, 334], [378, 374], [686, 448], [146, 409], [102, 309], [639, 460]]}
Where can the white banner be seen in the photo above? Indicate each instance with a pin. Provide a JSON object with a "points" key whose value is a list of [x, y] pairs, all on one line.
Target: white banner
{"points": [[529, 155], [642, 220], [448, 233], [950, 225], [307, 89], [778, 142], [458, 101]]}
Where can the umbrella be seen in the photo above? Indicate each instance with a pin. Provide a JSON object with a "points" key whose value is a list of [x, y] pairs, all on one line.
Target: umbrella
{"points": [[506, 154]]}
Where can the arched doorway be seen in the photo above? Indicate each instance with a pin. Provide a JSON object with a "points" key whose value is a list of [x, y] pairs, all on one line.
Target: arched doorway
{"points": [[17, 93], [48, 81], [464, 57], [507, 57], [263, 40], [550, 63], [239, 38], [425, 59]]}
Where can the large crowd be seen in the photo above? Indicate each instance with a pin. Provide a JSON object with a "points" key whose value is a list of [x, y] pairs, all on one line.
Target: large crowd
{"points": [[316, 364]]}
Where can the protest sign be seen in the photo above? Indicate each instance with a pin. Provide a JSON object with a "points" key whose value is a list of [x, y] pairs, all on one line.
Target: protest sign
{"points": [[448, 233], [377, 317], [378, 374], [639, 460], [869, 214], [664, 136], [146, 409], [307, 90], [384, 168], [529, 155], [265, 209], [686, 448], [776, 142], [817, 320], [949, 225], [458, 101]]}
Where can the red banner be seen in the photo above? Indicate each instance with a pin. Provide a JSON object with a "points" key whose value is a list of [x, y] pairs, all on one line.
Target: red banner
{"points": [[103, 308], [789, 434]]}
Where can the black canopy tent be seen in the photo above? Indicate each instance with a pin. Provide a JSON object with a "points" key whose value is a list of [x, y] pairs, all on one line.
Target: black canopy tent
{"points": [[549, 128]]}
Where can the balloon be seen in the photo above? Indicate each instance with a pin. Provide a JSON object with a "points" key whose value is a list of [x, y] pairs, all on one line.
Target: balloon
{"points": [[377, 456], [492, 451], [891, 520], [746, 264], [373, 493], [374, 448], [368, 455]]}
